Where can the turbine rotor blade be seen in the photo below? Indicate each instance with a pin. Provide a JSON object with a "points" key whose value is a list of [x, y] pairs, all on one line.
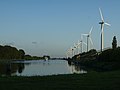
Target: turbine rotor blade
{"points": [[107, 24], [90, 30], [71, 48], [101, 15], [78, 43], [85, 34], [75, 45], [84, 43], [91, 41]]}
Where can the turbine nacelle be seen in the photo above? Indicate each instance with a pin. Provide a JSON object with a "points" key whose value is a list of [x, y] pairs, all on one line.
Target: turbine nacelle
{"points": [[101, 22], [88, 35]]}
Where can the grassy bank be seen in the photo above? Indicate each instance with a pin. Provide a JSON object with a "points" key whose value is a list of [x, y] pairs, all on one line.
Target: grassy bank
{"points": [[100, 65], [91, 81]]}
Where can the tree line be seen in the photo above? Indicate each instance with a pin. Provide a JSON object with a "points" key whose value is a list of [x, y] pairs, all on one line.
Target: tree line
{"points": [[29, 57], [112, 54], [9, 52], [106, 60], [12, 53]]}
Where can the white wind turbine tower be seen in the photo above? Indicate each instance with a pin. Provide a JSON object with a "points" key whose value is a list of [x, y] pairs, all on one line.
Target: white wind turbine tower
{"points": [[89, 38], [102, 23]]}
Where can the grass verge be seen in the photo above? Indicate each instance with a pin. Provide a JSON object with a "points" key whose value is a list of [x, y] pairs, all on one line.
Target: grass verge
{"points": [[92, 81]]}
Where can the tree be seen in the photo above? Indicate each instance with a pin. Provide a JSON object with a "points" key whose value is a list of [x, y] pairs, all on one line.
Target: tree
{"points": [[114, 43], [27, 57], [22, 53], [11, 53]]}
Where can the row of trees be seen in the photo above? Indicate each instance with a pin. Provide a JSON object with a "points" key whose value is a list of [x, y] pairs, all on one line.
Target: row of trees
{"points": [[112, 54], [90, 55], [108, 59], [8, 52], [29, 57]]}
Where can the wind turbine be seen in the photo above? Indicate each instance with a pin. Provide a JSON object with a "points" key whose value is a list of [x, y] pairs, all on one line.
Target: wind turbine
{"points": [[72, 51], [75, 47], [80, 44], [88, 38], [102, 23], [69, 52]]}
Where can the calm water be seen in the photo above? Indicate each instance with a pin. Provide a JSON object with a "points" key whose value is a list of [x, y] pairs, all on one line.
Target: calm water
{"points": [[39, 68]]}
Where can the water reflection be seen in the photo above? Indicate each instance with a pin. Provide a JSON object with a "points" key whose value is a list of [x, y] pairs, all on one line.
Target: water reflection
{"points": [[75, 68], [10, 69], [20, 67], [39, 67]]}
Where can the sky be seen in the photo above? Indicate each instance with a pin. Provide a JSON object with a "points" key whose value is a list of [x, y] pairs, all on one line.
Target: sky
{"points": [[50, 27]]}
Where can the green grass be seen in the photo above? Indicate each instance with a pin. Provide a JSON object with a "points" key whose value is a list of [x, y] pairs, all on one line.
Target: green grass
{"points": [[90, 81]]}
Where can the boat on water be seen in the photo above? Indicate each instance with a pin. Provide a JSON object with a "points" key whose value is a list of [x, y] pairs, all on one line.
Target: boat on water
{"points": [[46, 58]]}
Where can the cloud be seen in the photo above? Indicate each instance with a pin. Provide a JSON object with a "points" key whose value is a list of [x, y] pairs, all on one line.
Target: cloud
{"points": [[34, 42]]}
